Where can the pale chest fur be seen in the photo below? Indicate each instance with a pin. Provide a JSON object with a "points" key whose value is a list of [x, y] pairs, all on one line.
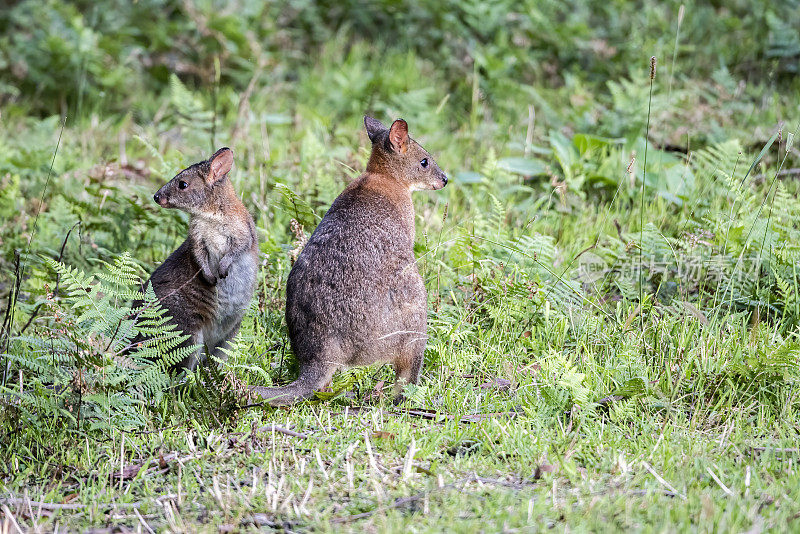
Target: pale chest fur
{"points": [[217, 238], [234, 293], [235, 290]]}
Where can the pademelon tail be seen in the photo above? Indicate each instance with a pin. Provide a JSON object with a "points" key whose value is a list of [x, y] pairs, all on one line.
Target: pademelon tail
{"points": [[310, 380]]}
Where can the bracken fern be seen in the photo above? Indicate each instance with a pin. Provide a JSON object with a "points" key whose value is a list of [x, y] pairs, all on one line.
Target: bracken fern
{"points": [[82, 370]]}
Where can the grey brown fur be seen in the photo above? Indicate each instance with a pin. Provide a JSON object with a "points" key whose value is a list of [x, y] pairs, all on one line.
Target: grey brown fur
{"points": [[208, 282], [355, 295]]}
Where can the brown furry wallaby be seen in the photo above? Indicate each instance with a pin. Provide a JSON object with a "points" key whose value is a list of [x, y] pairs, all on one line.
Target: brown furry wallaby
{"points": [[355, 296], [208, 282]]}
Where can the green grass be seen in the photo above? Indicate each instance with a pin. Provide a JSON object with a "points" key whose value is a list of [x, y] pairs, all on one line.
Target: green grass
{"points": [[374, 468], [658, 392]]}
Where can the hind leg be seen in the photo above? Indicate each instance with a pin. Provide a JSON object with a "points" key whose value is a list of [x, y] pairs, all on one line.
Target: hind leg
{"points": [[190, 362], [408, 367], [317, 366], [226, 342]]}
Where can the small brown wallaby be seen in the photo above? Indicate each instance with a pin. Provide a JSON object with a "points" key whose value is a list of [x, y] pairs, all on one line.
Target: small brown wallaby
{"points": [[355, 296], [208, 282]]}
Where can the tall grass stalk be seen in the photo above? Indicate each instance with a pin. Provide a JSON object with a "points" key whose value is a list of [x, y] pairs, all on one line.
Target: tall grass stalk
{"points": [[644, 180], [731, 216], [12, 303], [766, 197]]}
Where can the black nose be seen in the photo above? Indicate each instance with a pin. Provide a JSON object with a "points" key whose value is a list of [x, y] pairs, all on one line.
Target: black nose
{"points": [[156, 197], [444, 179]]}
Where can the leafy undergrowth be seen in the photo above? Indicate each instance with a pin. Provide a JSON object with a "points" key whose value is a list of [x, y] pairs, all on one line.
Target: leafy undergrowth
{"points": [[595, 420], [614, 299]]}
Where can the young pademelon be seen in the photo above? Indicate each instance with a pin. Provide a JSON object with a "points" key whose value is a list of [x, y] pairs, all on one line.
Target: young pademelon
{"points": [[355, 296], [208, 282]]}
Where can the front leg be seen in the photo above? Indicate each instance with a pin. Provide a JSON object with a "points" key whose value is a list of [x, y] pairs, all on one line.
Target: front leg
{"points": [[205, 267], [226, 262]]}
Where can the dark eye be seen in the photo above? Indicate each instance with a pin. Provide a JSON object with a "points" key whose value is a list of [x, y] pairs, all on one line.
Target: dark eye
{"points": [[182, 185], [424, 163]]}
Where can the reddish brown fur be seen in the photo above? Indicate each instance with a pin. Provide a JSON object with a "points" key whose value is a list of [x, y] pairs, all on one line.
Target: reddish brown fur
{"points": [[377, 179], [354, 295]]}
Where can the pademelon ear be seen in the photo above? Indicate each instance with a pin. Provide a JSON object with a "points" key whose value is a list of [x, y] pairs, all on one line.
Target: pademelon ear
{"points": [[398, 136], [374, 127], [221, 164]]}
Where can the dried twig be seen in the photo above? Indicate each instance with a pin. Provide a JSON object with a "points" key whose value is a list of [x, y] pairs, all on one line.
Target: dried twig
{"points": [[471, 418], [719, 482], [776, 450], [143, 522], [67, 506], [280, 429], [10, 517], [662, 481]]}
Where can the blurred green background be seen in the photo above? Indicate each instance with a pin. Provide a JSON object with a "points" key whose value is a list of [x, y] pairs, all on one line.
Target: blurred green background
{"points": [[285, 84]]}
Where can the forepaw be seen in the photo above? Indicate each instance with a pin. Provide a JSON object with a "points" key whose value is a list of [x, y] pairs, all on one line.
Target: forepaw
{"points": [[209, 278]]}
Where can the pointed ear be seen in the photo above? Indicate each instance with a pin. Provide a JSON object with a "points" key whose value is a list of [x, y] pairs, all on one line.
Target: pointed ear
{"points": [[374, 127], [220, 164], [398, 136]]}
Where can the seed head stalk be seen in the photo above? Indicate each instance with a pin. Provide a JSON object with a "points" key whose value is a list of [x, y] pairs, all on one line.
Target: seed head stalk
{"points": [[644, 179]]}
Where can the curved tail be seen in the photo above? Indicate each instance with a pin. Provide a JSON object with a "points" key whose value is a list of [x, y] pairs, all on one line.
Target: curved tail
{"points": [[310, 380]]}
